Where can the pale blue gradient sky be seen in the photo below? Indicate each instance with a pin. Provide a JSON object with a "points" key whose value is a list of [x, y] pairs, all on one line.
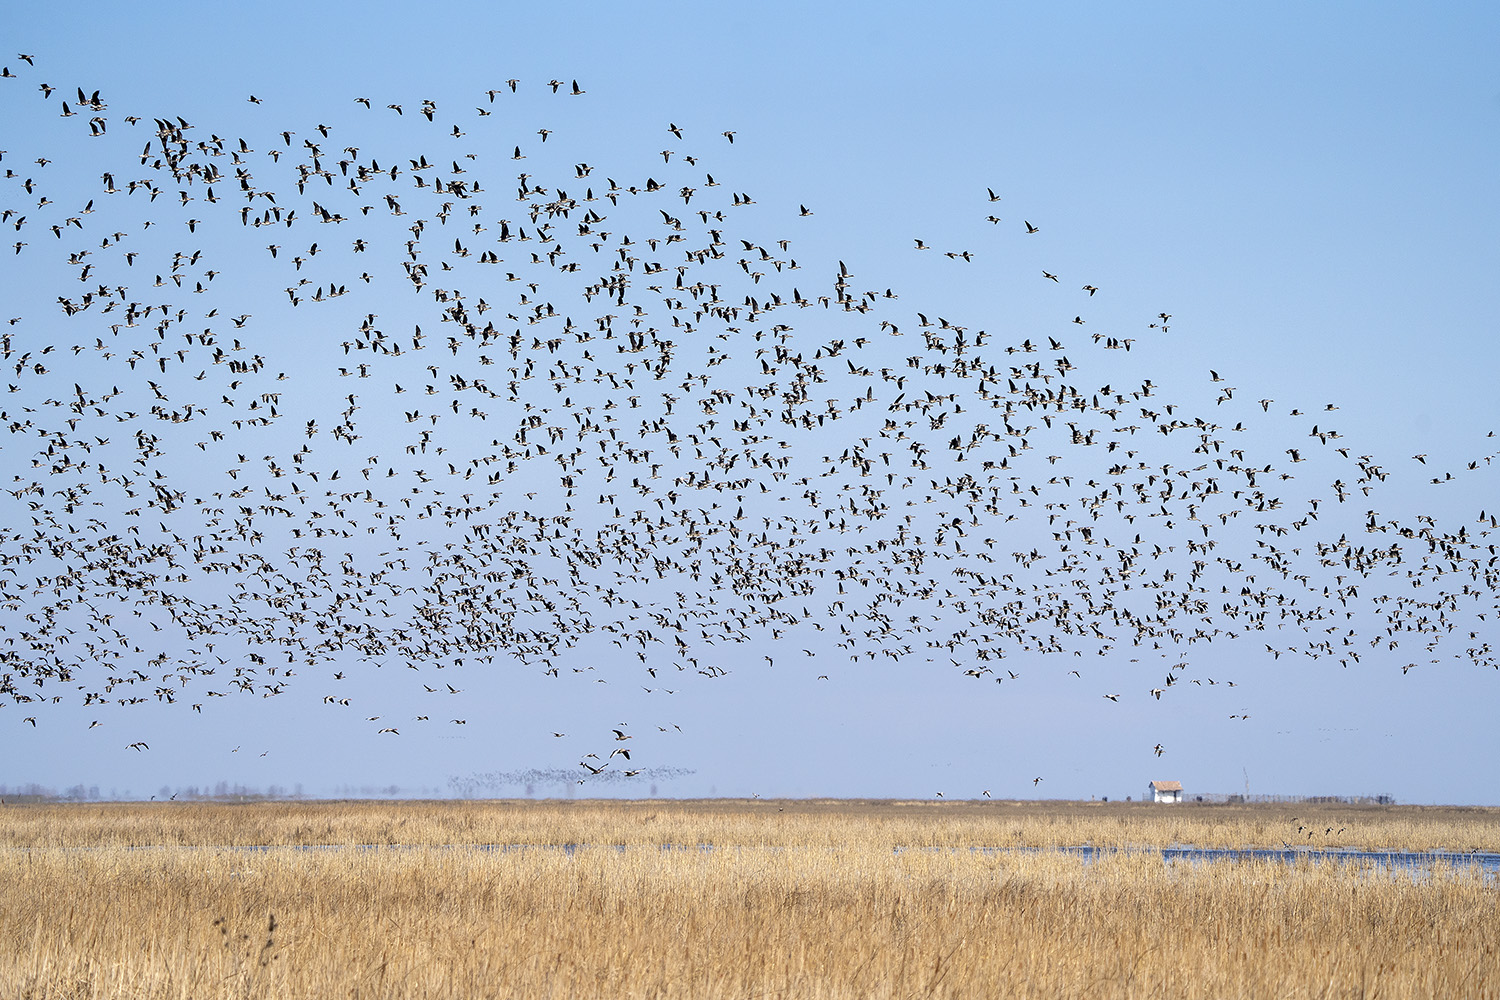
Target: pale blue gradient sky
{"points": [[1308, 191]]}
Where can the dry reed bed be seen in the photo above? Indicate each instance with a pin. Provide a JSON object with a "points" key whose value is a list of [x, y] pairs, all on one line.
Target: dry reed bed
{"points": [[741, 922], [785, 823]]}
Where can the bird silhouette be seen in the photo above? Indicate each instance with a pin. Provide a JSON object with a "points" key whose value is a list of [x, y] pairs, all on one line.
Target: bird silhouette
{"points": [[629, 418]]}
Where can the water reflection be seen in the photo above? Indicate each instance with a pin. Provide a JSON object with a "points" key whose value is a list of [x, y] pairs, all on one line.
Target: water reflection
{"points": [[1487, 863], [1415, 861]]}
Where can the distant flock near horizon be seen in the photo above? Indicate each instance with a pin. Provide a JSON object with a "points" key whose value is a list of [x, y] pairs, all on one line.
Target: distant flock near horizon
{"points": [[421, 388]]}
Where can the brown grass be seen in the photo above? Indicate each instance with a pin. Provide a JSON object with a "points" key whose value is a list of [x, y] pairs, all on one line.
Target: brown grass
{"points": [[791, 823], [806, 902]]}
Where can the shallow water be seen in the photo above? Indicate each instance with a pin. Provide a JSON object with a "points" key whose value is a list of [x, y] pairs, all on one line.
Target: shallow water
{"points": [[1413, 861], [1416, 861]]}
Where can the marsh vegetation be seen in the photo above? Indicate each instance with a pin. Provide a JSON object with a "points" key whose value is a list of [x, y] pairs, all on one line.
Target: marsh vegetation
{"points": [[796, 899]]}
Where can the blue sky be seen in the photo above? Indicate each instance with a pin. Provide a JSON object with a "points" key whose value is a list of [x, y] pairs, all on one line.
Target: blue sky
{"points": [[1308, 193]]}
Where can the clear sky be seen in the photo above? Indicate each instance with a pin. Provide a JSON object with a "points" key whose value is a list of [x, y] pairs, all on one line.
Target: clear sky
{"points": [[1307, 193]]}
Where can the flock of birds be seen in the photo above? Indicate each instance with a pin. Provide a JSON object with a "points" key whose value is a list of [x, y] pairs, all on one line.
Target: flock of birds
{"points": [[282, 404]]}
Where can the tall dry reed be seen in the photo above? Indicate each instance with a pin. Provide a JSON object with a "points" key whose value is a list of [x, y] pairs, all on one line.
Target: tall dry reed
{"points": [[731, 922], [796, 899], [790, 823]]}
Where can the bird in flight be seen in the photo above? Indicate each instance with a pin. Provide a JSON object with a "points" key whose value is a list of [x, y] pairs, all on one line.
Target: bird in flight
{"points": [[602, 405]]}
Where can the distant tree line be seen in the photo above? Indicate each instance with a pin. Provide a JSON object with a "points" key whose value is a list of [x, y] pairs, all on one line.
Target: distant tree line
{"points": [[1225, 798], [223, 791]]}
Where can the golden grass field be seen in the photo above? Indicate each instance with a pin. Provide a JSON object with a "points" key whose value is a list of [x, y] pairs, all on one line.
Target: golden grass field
{"points": [[795, 899]]}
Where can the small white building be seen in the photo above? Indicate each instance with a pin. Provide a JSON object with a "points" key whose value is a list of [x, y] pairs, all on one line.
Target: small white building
{"points": [[1165, 791]]}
